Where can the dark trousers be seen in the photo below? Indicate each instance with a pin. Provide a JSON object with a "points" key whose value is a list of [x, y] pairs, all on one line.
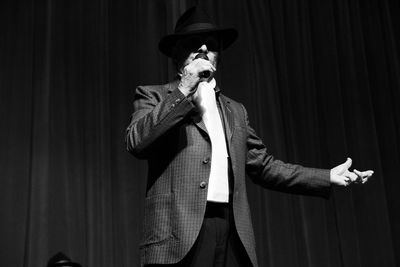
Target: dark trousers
{"points": [[218, 244]]}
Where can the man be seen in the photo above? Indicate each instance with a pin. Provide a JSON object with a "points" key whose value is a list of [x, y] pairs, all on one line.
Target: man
{"points": [[199, 147]]}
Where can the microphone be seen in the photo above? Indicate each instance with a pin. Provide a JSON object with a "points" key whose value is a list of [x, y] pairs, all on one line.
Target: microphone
{"points": [[205, 74]]}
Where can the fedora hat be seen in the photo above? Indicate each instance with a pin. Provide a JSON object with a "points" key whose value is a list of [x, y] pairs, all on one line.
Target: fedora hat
{"points": [[196, 22]]}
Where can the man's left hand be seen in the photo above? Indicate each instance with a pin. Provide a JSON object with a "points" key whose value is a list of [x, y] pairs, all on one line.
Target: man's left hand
{"points": [[340, 175]]}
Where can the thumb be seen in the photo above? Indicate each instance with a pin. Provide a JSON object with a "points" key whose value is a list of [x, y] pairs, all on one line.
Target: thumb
{"points": [[345, 166]]}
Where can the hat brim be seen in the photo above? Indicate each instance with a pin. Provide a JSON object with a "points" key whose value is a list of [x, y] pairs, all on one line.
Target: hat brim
{"points": [[226, 37]]}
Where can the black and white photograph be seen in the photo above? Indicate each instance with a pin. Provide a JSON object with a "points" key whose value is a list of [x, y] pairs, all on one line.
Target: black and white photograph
{"points": [[200, 133]]}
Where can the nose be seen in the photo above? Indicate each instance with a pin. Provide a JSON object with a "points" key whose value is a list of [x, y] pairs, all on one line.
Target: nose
{"points": [[203, 49]]}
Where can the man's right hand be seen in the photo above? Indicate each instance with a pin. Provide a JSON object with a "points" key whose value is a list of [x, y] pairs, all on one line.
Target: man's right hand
{"points": [[191, 75]]}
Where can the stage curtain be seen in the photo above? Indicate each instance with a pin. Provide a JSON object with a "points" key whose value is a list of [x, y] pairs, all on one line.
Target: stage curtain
{"points": [[320, 81]]}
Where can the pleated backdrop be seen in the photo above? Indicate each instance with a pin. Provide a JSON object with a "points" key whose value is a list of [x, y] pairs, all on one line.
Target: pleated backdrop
{"points": [[320, 80]]}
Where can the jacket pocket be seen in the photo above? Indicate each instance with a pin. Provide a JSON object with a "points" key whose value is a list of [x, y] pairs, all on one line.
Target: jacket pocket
{"points": [[157, 225]]}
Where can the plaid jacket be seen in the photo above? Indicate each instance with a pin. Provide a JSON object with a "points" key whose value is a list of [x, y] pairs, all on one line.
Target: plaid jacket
{"points": [[166, 130]]}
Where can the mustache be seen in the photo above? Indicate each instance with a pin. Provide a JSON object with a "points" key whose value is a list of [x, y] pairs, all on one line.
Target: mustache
{"points": [[202, 56]]}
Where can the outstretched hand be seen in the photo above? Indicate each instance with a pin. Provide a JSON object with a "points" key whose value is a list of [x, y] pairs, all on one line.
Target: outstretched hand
{"points": [[340, 175]]}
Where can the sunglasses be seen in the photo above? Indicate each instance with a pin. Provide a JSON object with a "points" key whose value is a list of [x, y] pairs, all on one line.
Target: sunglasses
{"points": [[193, 43]]}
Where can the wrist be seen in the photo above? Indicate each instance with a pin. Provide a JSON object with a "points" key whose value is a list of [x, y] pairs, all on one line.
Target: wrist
{"points": [[184, 89]]}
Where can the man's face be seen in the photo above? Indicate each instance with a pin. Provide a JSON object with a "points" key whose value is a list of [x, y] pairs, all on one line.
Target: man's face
{"points": [[192, 46]]}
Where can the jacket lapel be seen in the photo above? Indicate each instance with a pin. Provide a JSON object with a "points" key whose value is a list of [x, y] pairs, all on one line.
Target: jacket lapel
{"points": [[228, 118], [197, 120]]}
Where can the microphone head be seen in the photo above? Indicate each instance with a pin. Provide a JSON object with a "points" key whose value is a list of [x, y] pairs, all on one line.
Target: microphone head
{"points": [[205, 74]]}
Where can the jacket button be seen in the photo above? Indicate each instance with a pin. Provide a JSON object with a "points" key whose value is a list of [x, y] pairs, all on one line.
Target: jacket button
{"points": [[206, 160], [203, 185]]}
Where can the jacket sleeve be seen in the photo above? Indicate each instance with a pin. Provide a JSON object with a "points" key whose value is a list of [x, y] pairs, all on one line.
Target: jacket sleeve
{"points": [[154, 114], [274, 174]]}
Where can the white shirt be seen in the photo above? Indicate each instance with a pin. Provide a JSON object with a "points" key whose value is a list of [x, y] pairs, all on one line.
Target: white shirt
{"points": [[218, 185]]}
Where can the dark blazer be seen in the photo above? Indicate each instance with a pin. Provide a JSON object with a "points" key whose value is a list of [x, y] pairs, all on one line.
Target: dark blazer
{"points": [[167, 131]]}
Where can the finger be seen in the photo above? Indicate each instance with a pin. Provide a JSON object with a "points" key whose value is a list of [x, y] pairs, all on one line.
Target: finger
{"points": [[363, 176], [365, 179], [341, 180], [207, 67], [348, 163], [352, 176], [360, 175], [200, 60], [364, 173], [203, 62], [213, 67], [368, 173]]}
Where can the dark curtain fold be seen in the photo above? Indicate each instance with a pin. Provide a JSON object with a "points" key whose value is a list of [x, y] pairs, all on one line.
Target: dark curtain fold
{"points": [[320, 80]]}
